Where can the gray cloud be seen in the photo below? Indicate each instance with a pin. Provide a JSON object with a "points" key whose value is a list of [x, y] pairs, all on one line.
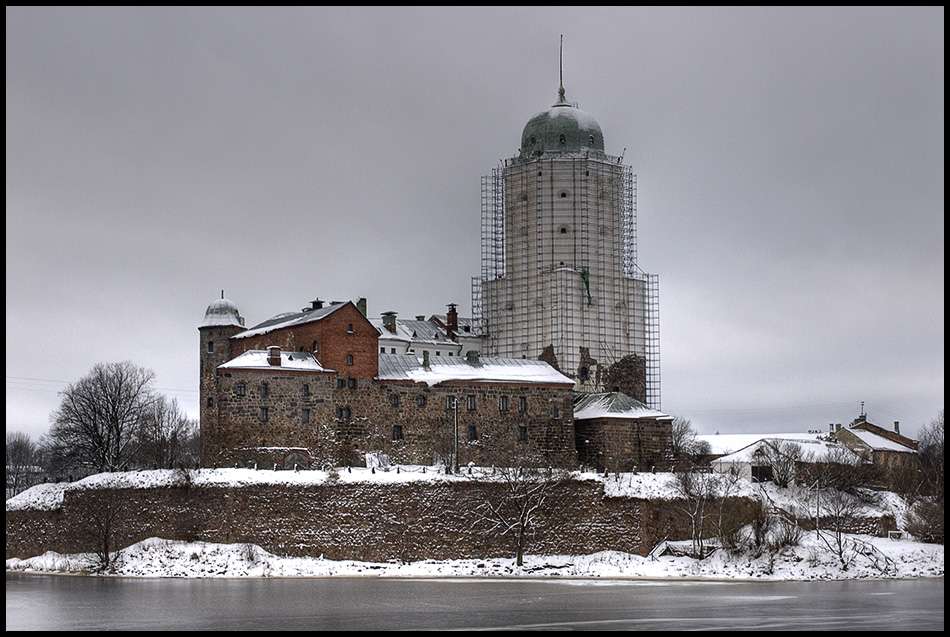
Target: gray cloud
{"points": [[789, 163]]}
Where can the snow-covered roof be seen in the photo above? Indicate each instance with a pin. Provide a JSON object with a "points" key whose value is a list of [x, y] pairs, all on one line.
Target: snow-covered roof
{"points": [[411, 330], [290, 319], [222, 312], [457, 368], [257, 359], [812, 450], [877, 442], [614, 405], [721, 444]]}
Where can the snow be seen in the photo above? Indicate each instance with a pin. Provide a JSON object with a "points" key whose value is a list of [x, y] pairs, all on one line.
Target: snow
{"points": [[257, 359], [811, 560], [156, 557], [722, 444], [875, 441]]}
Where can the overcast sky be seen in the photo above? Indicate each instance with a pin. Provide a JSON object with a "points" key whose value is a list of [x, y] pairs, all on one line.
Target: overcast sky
{"points": [[789, 164]]}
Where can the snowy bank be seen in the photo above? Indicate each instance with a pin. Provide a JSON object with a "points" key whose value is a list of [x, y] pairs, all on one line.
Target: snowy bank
{"points": [[811, 560]]}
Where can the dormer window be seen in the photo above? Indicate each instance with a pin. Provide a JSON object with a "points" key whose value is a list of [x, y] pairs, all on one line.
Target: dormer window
{"points": [[562, 139]]}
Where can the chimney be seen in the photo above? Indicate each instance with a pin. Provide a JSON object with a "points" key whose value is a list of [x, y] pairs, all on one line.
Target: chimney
{"points": [[273, 355], [315, 304], [831, 427], [452, 318], [425, 358], [361, 305], [471, 356], [389, 321], [897, 427]]}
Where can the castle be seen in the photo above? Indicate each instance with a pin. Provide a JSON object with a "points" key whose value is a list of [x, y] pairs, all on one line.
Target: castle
{"points": [[559, 363]]}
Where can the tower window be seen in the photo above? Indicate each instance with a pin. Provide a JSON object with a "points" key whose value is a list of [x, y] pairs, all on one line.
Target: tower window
{"points": [[522, 434], [397, 432], [262, 414], [563, 195], [563, 230], [591, 138], [472, 433], [562, 138], [211, 347], [305, 416]]}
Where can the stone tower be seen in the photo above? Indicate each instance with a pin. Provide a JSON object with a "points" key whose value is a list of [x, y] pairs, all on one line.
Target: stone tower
{"points": [[222, 321], [559, 279]]}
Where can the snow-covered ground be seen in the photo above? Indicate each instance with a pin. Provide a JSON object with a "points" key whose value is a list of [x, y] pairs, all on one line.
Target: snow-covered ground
{"points": [[811, 559]]}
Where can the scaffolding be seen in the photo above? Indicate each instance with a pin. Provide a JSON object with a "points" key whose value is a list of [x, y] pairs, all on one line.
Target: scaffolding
{"points": [[559, 274]]}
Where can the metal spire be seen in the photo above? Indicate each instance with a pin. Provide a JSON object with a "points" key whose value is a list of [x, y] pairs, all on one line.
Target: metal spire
{"points": [[560, 90]]}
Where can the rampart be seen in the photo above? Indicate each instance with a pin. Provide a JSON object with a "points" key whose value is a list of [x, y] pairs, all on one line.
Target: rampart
{"points": [[369, 521]]}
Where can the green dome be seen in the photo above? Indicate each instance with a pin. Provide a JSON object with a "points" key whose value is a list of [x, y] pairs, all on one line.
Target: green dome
{"points": [[563, 128]]}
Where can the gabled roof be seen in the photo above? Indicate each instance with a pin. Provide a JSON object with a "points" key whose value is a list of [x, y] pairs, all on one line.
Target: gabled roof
{"points": [[457, 368], [290, 319], [721, 444], [877, 442], [614, 405], [813, 450], [411, 330], [294, 361]]}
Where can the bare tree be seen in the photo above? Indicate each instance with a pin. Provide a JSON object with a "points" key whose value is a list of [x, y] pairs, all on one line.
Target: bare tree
{"points": [[168, 436], [926, 518], [103, 522], [22, 461], [686, 446], [513, 499], [697, 491], [98, 423], [781, 456]]}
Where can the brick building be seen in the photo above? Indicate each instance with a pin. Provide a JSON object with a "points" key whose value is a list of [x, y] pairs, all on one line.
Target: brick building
{"points": [[322, 387], [311, 388]]}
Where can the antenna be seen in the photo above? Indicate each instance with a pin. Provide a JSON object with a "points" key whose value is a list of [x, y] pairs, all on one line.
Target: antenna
{"points": [[561, 63]]}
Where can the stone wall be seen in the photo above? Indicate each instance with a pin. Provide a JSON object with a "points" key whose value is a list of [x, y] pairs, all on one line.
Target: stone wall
{"points": [[340, 520], [410, 422], [624, 444]]}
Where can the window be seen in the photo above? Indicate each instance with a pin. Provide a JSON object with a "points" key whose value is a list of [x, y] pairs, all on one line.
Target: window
{"points": [[392, 350], [210, 401], [349, 328], [397, 432], [522, 404], [394, 400], [343, 413], [340, 383], [450, 402], [263, 390], [583, 373], [522, 434], [305, 390], [351, 383], [240, 388], [349, 359], [471, 403], [211, 347], [382, 350], [562, 138], [305, 415], [421, 400], [472, 433], [262, 414], [502, 403], [555, 414]]}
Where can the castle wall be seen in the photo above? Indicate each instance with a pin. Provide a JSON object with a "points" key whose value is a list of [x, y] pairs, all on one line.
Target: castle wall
{"points": [[620, 444], [358, 521]]}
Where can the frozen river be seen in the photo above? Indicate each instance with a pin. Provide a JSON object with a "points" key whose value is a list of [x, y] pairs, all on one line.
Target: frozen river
{"points": [[55, 602]]}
